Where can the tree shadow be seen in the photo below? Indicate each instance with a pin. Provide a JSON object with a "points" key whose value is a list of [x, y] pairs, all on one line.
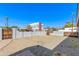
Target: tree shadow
{"points": [[68, 47], [34, 51]]}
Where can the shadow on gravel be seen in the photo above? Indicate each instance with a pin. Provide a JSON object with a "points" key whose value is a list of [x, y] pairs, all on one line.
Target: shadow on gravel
{"points": [[69, 47], [34, 51]]}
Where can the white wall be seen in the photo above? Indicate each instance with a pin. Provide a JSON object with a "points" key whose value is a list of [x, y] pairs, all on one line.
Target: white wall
{"points": [[58, 33], [13, 33], [0, 33], [17, 34], [35, 26], [70, 29]]}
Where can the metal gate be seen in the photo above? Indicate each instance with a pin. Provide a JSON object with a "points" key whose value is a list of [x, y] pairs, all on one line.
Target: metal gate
{"points": [[6, 34]]}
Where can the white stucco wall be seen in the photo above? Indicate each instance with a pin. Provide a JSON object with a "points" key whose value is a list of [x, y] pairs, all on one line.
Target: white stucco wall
{"points": [[18, 34], [35, 26], [58, 33], [69, 29], [14, 33], [0, 33]]}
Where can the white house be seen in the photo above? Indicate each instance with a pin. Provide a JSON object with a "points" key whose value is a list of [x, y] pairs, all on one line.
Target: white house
{"points": [[38, 26], [62, 31], [69, 29]]}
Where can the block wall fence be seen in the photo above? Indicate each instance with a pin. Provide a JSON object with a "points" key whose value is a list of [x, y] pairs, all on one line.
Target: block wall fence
{"points": [[17, 34]]}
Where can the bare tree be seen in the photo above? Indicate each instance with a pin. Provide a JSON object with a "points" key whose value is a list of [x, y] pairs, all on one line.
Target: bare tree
{"points": [[29, 28]]}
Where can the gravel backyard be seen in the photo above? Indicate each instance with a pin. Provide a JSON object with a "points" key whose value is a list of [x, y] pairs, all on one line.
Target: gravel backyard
{"points": [[43, 46]]}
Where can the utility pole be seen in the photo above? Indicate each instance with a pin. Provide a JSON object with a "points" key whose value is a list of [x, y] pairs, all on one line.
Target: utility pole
{"points": [[72, 22], [78, 18], [6, 24]]}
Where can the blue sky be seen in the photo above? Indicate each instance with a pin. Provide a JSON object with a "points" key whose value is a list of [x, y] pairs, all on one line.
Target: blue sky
{"points": [[53, 15]]}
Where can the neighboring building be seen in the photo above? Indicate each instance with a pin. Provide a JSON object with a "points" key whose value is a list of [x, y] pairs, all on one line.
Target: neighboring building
{"points": [[38, 26], [69, 29]]}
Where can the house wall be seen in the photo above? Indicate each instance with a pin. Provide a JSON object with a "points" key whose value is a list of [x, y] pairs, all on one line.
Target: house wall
{"points": [[70, 29], [36, 26]]}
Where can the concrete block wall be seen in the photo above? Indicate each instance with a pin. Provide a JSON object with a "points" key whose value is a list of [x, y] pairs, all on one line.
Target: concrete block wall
{"points": [[0, 33], [58, 33], [13, 33], [17, 34], [27, 34]]}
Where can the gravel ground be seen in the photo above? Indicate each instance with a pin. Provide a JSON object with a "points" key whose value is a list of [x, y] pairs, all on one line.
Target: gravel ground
{"points": [[43, 46], [34, 51], [69, 47]]}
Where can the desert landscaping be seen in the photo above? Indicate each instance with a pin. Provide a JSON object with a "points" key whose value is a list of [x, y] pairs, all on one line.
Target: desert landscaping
{"points": [[56, 44], [39, 29]]}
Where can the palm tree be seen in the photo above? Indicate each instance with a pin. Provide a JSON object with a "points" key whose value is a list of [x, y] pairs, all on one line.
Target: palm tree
{"points": [[68, 24]]}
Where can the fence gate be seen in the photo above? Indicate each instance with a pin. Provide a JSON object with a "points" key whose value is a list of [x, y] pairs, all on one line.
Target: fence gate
{"points": [[6, 34]]}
